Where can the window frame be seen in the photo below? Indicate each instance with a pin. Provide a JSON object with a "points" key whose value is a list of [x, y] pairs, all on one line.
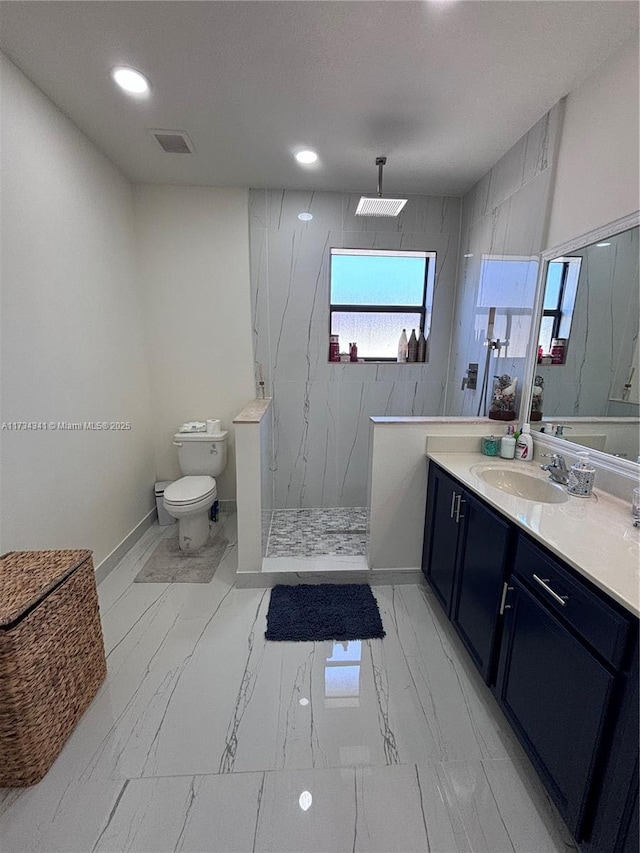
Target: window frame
{"points": [[556, 312], [559, 313], [344, 308]]}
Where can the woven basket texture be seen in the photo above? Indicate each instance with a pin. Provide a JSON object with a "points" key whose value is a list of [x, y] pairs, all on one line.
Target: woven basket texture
{"points": [[27, 576], [52, 662]]}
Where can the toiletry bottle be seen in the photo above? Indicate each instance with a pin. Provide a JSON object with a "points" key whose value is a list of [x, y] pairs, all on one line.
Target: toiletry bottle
{"points": [[353, 352], [334, 348], [524, 444], [581, 477], [412, 347], [508, 444], [402, 346], [422, 348]]}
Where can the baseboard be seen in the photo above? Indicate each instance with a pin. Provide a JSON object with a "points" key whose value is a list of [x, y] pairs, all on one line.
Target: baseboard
{"points": [[375, 577], [112, 559]]}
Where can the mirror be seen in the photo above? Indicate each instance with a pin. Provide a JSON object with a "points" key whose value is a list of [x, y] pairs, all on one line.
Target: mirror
{"points": [[586, 375]]}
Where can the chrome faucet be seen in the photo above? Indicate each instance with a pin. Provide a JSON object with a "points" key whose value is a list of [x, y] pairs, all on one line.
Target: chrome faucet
{"points": [[557, 468]]}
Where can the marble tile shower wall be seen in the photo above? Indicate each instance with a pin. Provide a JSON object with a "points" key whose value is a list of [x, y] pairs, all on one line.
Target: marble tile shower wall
{"points": [[321, 410], [504, 216]]}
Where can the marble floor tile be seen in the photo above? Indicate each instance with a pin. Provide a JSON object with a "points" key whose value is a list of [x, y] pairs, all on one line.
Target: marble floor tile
{"points": [[502, 809], [205, 737]]}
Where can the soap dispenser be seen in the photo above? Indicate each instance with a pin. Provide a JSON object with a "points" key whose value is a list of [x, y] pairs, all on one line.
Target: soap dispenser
{"points": [[508, 444], [581, 477]]}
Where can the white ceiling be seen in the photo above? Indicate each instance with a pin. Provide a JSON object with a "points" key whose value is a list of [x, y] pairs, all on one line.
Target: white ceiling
{"points": [[442, 89]]}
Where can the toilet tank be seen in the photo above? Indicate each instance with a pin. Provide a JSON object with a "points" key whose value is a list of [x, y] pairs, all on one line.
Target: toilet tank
{"points": [[199, 453]]}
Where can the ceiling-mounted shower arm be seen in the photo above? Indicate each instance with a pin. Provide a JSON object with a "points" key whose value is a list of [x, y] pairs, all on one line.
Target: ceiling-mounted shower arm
{"points": [[380, 163], [376, 205]]}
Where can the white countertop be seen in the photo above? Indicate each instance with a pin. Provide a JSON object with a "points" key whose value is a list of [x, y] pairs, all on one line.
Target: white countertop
{"points": [[594, 535]]}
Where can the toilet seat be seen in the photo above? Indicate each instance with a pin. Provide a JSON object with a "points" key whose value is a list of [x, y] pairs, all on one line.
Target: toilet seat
{"points": [[190, 490]]}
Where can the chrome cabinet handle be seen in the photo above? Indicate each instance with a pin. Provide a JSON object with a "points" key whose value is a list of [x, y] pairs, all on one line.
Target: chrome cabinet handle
{"points": [[177, 444], [460, 501], [503, 605], [561, 599], [453, 500]]}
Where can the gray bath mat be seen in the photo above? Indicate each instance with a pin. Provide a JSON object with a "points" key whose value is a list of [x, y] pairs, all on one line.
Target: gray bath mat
{"points": [[168, 564]]}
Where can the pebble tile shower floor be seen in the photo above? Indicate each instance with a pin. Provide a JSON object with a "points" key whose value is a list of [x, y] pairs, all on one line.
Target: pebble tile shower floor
{"points": [[206, 738], [333, 531]]}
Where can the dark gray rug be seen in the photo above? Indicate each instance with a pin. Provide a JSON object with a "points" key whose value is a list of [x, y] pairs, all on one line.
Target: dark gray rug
{"points": [[168, 564], [325, 611]]}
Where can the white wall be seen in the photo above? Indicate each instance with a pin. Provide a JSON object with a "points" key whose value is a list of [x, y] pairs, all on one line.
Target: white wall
{"points": [[193, 250], [597, 168], [398, 481], [73, 346]]}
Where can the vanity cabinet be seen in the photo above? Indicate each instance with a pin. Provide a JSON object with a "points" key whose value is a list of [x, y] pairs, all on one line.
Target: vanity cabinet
{"points": [[465, 553], [563, 647], [560, 656], [441, 533]]}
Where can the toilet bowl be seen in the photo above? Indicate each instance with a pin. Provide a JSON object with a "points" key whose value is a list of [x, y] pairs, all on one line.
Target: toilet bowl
{"points": [[190, 498]]}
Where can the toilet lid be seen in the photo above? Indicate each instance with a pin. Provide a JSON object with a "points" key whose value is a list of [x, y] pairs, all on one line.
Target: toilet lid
{"points": [[189, 489]]}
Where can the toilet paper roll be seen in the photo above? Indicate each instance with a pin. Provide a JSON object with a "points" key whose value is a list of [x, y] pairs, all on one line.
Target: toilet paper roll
{"points": [[213, 426]]}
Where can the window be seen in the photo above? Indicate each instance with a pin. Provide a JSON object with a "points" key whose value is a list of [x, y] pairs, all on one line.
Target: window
{"points": [[374, 295], [559, 300]]}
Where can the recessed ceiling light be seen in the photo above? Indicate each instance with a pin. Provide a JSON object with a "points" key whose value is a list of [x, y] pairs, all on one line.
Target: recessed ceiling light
{"points": [[304, 800], [306, 156], [130, 80], [305, 217], [600, 245]]}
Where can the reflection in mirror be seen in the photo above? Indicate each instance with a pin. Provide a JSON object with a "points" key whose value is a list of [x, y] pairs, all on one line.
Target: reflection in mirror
{"points": [[587, 369]]}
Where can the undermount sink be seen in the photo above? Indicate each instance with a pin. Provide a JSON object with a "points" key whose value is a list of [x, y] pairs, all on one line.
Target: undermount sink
{"points": [[523, 485]]}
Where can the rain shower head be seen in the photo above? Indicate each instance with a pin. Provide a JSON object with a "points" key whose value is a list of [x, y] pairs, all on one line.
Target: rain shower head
{"points": [[376, 205]]}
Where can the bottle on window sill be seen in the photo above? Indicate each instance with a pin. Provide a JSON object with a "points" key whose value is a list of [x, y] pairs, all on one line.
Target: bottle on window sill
{"points": [[353, 351], [412, 347], [422, 348], [402, 346], [334, 348]]}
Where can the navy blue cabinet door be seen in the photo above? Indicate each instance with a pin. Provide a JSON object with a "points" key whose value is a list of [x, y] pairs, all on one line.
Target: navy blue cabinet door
{"points": [[484, 549], [441, 534], [556, 696]]}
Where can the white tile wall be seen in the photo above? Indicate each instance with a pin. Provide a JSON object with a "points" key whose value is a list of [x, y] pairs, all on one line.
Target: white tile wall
{"points": [[321, 410], [503, 214]]}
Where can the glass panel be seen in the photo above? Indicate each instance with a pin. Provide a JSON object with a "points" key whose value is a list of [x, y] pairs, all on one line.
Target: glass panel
{"points": [[552, 289], [377, 280], [519, 336], [546, 333], [507, 281], [376, 333]]}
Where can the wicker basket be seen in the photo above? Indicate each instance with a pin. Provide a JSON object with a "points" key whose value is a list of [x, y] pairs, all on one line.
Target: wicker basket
{"points": [[52, 658]]}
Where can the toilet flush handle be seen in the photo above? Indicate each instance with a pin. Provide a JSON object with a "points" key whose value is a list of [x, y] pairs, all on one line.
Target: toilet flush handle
{"points": [[177, 444]]}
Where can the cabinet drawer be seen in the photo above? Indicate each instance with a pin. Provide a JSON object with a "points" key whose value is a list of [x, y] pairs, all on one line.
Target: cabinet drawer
{"points": [[599, 623]]}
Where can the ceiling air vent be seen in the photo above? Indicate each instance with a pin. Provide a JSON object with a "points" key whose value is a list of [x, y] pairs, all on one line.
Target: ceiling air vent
{"points": [[173, 141]]}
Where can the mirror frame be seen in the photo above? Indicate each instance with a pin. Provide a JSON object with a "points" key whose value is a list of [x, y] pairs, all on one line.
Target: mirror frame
{"points": [[625, 223]]}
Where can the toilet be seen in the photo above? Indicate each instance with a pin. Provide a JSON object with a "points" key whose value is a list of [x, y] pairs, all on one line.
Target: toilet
{"points": [[201, 458]]}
